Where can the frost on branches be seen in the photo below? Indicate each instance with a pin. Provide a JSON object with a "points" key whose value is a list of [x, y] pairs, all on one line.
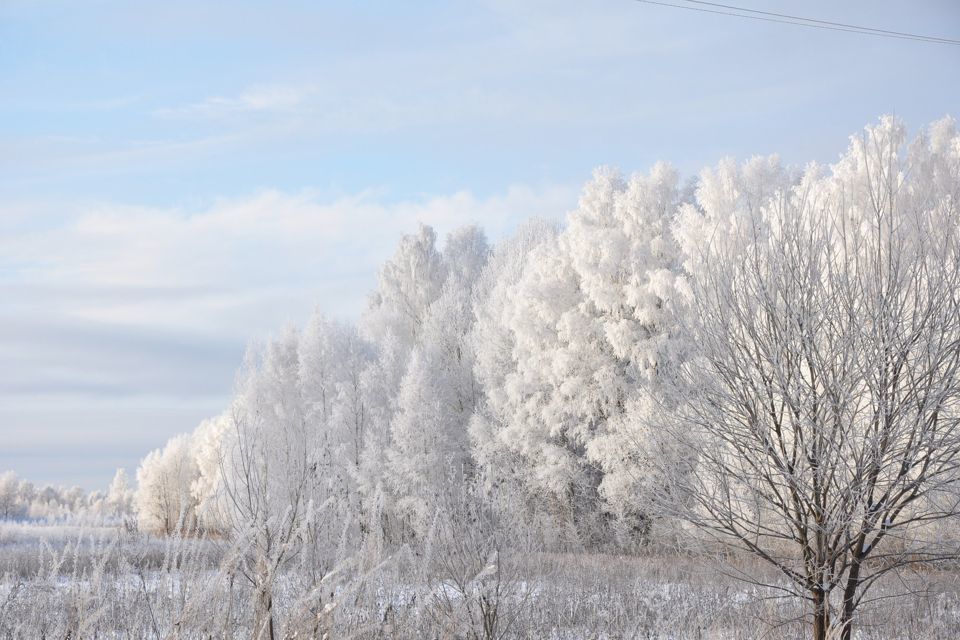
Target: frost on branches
{"points": [[822, 418], [767, 359]]}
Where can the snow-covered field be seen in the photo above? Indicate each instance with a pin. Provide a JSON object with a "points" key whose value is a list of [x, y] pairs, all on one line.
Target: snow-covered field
{"points": [[64, 581]]}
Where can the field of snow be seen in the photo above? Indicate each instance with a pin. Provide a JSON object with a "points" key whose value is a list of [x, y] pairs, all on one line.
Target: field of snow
{"points": [[64, 581]]}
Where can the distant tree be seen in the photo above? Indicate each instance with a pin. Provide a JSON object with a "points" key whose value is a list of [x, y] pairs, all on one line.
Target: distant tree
{"points": [[207, 451], [9, 495], [26, 492], [119, 498], [164, 501]]}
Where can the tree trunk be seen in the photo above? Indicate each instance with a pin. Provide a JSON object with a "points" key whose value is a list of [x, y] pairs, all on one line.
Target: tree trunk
{"points": [[228, 619], [849, 604], [821, 615], [263, 617]]}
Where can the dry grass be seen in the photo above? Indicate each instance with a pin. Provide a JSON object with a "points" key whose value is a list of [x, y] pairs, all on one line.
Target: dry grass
{"points": [[122, 585]]}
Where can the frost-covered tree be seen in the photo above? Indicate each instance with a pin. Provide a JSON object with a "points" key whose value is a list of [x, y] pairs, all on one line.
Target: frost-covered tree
{"points": [[379, 384], [726, 199], [332, 358], [590, 323], [9, 495], [206, 451], [491, 343], [351, 414], [26, 493], [581, 377], [429, 446], [119, 497], [164, 500], [448, 323], [822, 409], [408, 284], [626, 259], [418, 456], [269, 470]]}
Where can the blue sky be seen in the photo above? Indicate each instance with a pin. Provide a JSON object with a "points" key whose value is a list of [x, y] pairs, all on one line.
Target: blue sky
{"points": [[179, 177]]}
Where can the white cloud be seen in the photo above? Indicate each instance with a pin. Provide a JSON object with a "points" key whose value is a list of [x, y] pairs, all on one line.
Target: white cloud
{"points": [[256, 99], [230, 271], [269, 237]]}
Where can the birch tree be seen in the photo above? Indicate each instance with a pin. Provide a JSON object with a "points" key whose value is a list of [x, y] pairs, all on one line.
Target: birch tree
{"points": [[430, 447]]}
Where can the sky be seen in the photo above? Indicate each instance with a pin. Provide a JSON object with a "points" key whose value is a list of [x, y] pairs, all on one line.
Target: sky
{"points": [[178, 178]]}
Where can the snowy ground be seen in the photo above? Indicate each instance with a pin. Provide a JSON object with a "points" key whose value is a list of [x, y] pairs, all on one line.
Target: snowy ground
{"points": [[109, 583]]}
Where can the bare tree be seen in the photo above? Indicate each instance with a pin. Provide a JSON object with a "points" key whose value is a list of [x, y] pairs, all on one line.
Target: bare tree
{"points": [[821, 430], [472, 554]]}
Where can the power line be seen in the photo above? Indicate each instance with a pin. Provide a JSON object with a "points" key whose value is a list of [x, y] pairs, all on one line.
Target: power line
{"points": [[813, 23], [826, 22]]}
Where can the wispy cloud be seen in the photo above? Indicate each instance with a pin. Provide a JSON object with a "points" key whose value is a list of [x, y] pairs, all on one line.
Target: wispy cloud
{"points": [[257, 99], [264, 238], [93, 154], [150, 279]]}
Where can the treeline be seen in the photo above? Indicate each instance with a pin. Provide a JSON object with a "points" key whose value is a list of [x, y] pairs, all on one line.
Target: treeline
{"points": [[23, 500], [766, 358], [534, 370]]}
